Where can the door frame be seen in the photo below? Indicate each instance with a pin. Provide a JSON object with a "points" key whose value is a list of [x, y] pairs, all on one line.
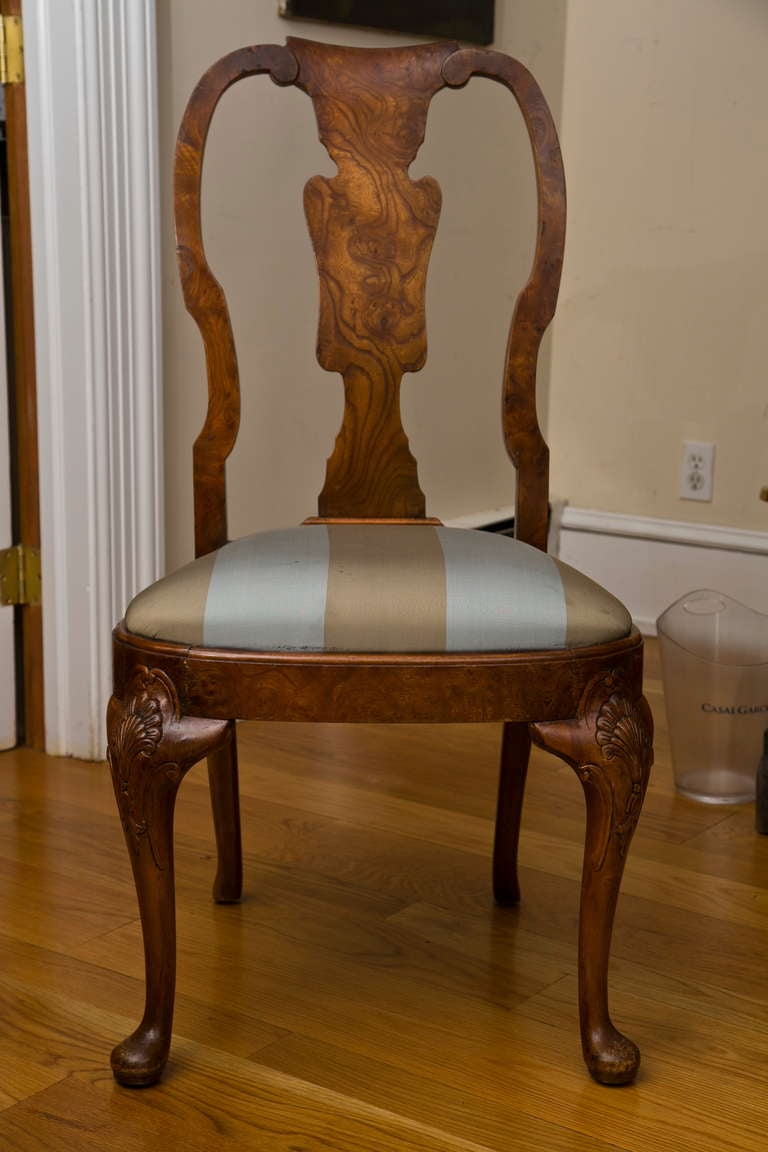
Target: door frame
{"points": [[93, 165], [20, 334], [9, 726]]}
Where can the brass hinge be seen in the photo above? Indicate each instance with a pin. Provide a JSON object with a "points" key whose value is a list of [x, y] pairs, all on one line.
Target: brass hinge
{"points": [[19, 575], [11, 50]]}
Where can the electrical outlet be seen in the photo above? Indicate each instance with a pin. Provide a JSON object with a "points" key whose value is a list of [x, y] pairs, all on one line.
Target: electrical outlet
{"points": [[697, 470]]}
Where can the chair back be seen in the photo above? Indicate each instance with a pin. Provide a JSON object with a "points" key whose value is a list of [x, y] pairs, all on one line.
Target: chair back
{"points": [[372, 229]]}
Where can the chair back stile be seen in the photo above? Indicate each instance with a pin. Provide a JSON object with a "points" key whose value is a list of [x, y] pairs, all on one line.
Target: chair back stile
{"points": [[535, 305], [372, 229], [203, 295]]}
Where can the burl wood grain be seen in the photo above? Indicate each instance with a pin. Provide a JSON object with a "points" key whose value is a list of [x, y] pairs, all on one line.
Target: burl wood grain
{"points": [[372, 229]]}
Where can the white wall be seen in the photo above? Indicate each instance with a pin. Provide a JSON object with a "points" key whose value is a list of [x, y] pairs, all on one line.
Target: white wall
{"points": [[662, 330], [263, 147]]}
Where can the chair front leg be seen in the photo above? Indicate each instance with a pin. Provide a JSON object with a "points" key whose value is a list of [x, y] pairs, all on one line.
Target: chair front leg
{"points": [[151, 746], [610, 745]]}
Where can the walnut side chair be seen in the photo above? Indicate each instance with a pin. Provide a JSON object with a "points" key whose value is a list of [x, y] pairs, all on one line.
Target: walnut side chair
{"points": [[371, 611]]}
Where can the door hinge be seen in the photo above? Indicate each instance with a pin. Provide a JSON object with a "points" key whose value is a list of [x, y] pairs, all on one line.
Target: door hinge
{"points": [[11, 50], [19, 575]]}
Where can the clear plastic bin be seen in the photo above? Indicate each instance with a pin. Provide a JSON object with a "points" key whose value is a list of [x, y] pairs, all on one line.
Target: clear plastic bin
{"points": [[714, 655]]}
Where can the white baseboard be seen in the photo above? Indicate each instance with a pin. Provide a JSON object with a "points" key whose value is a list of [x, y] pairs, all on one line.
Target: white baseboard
{"points": [[482, 519], [504, 512], [648, 563]]}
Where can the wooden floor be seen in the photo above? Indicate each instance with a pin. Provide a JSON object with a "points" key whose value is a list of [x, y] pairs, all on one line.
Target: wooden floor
{"points": [[367, 996]]}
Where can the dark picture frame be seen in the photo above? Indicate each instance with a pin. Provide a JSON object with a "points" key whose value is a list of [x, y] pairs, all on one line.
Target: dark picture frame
{"points": [[470, 20]]}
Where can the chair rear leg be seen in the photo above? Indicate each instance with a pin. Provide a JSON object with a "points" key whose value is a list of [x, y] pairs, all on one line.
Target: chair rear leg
{"points": [[151, 747], [610, 745], [515, 751], [225, 802]]}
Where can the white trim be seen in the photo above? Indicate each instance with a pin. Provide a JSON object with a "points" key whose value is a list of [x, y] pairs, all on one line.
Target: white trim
{"points": [[482, 519], [506, 512], [667, 531], [92, 117], [649, 563]]}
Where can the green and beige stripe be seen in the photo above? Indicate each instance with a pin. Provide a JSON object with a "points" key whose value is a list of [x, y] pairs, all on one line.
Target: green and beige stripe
{"points": [[378, 588]]}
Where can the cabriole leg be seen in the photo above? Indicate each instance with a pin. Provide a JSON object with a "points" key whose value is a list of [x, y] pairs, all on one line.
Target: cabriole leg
{"points": [[610, 745], [150, 749], [515, 751]]}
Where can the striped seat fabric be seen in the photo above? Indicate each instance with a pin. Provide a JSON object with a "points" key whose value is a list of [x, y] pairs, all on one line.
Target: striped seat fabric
{"points": [[378, 588]]}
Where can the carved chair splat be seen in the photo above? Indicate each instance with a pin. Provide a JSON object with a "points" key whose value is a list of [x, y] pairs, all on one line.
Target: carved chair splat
{"points": [[571, 686]]}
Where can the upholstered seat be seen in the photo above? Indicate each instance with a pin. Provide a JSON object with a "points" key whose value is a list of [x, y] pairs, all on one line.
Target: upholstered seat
{"points": [[378, 588]]}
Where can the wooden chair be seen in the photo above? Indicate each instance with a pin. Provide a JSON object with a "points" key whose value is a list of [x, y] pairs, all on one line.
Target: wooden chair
{"points": [[371, 611]]}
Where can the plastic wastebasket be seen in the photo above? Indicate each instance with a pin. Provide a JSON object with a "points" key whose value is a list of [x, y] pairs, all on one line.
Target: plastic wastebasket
{"points": [[714, 655]]}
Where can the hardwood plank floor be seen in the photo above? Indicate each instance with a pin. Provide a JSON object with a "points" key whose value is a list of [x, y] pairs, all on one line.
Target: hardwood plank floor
{"points": [[367, 995]]}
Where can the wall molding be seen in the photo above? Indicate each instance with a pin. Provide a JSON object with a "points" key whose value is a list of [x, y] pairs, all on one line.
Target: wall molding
{"points": [[483, 518], [649, 563], [92, 119], [666, 531]]}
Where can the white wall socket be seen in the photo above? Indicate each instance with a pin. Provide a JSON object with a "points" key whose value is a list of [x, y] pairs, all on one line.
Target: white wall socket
{"points": [[697, 470]]}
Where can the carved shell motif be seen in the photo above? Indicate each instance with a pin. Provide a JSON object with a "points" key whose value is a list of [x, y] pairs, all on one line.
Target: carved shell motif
{"points": [[610, 745], [620, 731], [140, 730], [151, 746], [135, 734]]}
